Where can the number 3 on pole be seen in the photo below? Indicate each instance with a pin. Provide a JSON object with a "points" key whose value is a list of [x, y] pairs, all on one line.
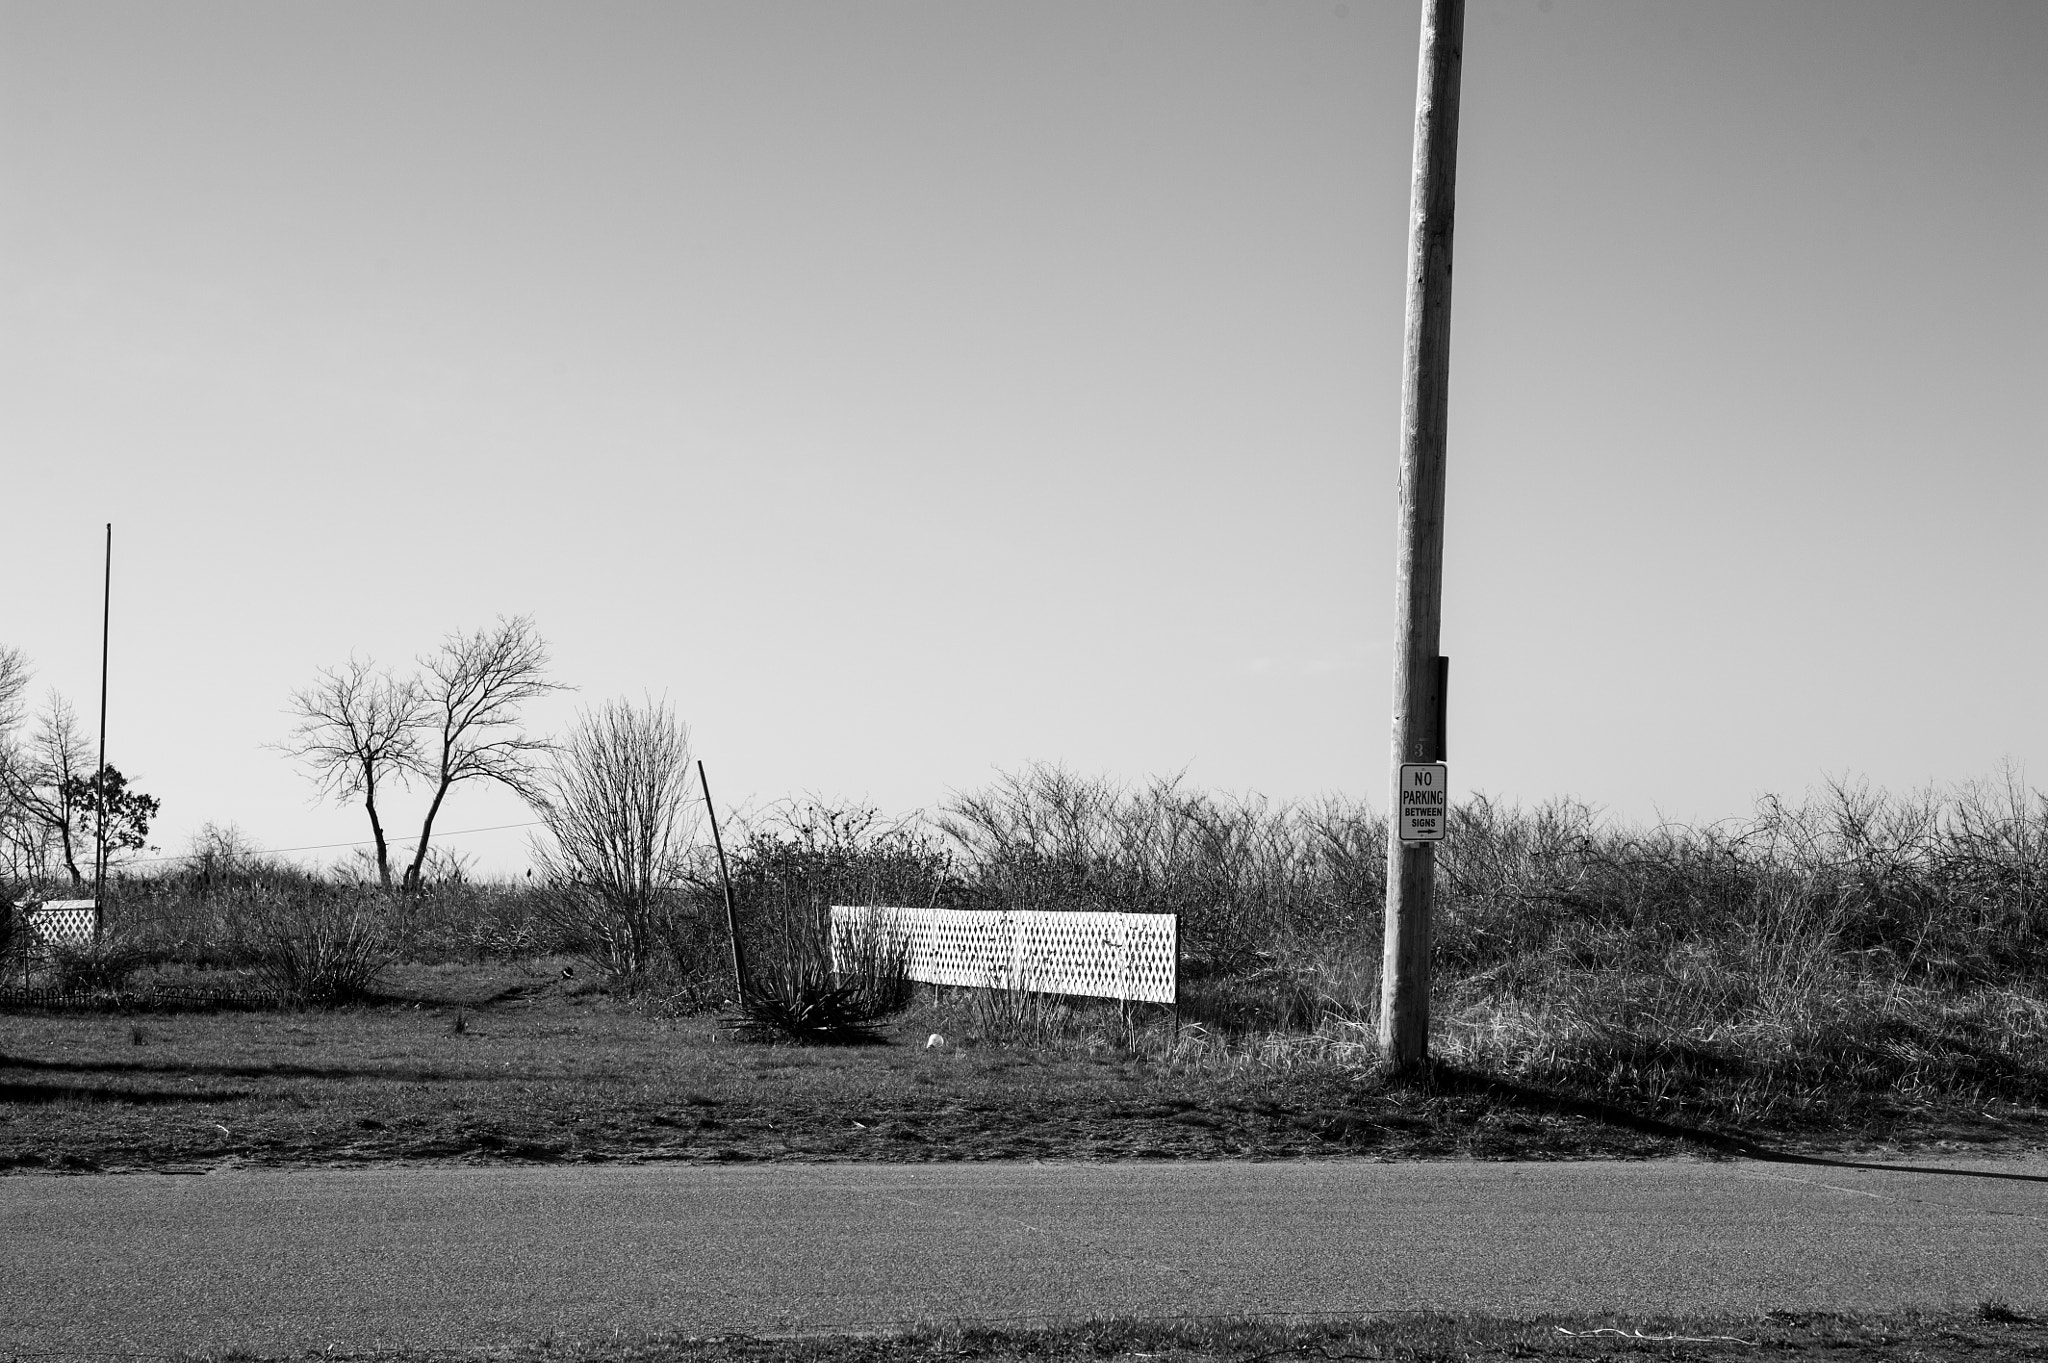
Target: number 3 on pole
{"points": [[1425, 801]]}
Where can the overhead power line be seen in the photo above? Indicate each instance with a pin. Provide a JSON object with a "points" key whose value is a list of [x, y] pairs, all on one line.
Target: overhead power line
{"points": [[331, 846]]}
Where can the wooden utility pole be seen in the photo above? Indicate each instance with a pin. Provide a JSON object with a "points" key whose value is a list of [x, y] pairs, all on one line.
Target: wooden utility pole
{"points": [[1419, 674]]}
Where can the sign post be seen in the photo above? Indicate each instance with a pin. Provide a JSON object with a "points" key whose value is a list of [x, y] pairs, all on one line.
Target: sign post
{"points": [[1419, 673]]}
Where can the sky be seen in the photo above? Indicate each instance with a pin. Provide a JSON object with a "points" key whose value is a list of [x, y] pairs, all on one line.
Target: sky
{"points": [[910, 391]]}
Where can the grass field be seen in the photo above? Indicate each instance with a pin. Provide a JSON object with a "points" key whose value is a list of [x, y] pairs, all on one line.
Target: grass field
{"points": [[506, 1063], [1989, 1331], [1860, 972], [509, 1062]]}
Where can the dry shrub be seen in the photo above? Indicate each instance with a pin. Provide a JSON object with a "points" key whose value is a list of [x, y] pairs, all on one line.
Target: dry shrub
{"points": [[1238, 873], [98, 967], [1853, 953], [621, 818], [1844, 959], [812, 996], [789, 867], [322, 951], [1948, 886]]}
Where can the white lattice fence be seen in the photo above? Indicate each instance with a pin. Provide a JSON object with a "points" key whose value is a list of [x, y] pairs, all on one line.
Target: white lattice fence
{"points": [[1103, 955], [64, 922]]}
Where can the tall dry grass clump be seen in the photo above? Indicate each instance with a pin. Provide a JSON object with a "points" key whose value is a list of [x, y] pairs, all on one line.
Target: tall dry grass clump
{"points": [[1850, 954], [1274, 901]]}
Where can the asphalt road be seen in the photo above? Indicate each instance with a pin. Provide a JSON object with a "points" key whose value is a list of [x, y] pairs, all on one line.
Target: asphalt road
{"points": [[473, 1256]]}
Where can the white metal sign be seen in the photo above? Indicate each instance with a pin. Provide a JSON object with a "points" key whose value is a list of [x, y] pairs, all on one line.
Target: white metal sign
{"points": [[1425, 797]]}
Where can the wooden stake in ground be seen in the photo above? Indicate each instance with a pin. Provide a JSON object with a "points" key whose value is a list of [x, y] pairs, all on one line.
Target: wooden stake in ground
{"points": [[1418, 721], [732, 924]]}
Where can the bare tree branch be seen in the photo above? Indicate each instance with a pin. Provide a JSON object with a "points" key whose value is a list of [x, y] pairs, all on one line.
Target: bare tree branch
{"points": [[358, 728], [473, 689]]}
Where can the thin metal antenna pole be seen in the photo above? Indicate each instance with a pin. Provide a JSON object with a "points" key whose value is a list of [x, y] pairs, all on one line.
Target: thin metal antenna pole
{"points": [[732, 927], [99, 860], [1419, 566]]}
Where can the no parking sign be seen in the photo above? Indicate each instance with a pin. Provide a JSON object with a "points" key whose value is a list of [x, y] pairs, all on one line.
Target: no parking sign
{"points": [[1425, 801]]}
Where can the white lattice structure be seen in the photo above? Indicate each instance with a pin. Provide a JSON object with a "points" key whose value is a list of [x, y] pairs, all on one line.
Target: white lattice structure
{"points": [[64, 922], [1103, 955]]}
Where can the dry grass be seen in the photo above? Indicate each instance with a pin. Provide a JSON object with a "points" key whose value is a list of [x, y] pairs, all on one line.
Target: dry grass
{"points": [[1861, 969], [513, 1063], [1861, 964], [1841, 964], [1842, 1051]]}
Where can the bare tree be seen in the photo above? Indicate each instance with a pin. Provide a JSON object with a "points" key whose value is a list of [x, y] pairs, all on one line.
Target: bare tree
{"points": [[20, 832], [622, 822], [14, 675], [51, 799], [473, 689], [358, 731], [52, 779]]}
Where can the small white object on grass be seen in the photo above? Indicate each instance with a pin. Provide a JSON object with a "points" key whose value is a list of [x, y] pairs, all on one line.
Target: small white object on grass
{"points": [[934, 1040]]}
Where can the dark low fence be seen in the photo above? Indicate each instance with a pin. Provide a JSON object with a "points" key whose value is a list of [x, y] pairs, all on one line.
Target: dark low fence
{"points": [[167, 998]]}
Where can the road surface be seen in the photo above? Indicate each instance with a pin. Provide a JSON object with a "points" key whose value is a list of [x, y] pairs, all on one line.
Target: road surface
{"points": [[474, 1256]]}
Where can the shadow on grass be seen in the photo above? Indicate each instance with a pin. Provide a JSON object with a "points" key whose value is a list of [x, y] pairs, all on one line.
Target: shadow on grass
{"points": [[276, 1071], [1452, 1080], [94, 1093], [380, 998], [1445, 1079]]}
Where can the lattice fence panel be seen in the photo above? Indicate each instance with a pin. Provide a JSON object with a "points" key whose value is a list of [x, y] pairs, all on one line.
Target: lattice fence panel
{"points": [[1102, 955], [66, 922]]}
